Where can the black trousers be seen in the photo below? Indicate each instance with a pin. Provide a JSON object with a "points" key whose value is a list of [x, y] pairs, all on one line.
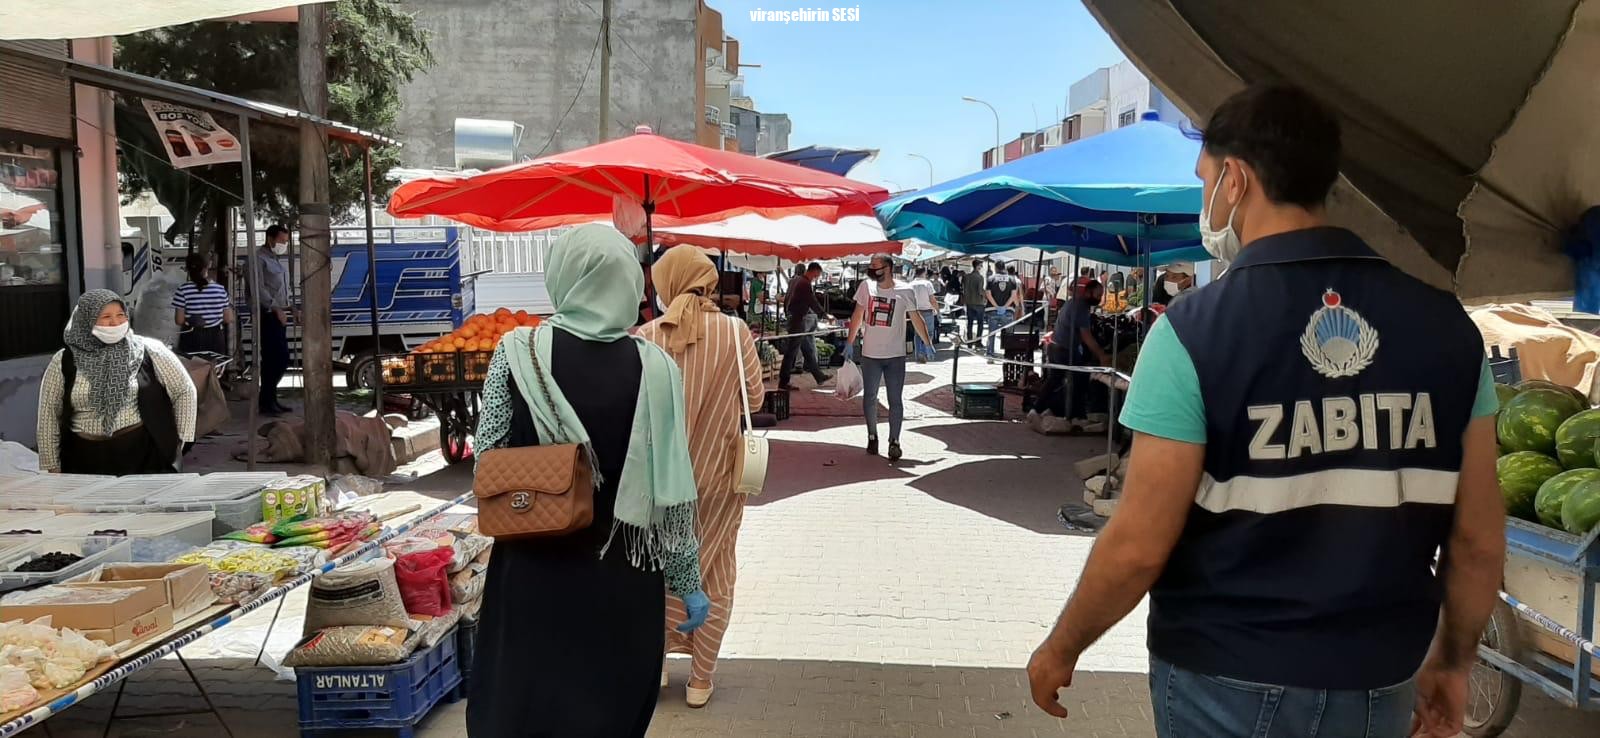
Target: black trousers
{"points": [[975, 324], [274, 339], [213, 339], [1064, 394], [130, 451]]}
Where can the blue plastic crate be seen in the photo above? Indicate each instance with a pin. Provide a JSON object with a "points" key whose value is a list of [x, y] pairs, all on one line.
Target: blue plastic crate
{"points": [[466, 647], [394, 697]]}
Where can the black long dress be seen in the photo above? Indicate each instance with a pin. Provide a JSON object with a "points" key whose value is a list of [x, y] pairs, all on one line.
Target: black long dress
{"points": [[570, 645]]}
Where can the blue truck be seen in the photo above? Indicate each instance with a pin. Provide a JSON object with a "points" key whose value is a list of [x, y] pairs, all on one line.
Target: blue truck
{"points": [[422, 293]]}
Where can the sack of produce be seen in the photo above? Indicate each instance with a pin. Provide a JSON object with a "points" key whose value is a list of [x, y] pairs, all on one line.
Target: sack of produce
{"points": [[467, 585], [432, 629], [353, 645], [424, 585], [469, 548], [362, 593]]}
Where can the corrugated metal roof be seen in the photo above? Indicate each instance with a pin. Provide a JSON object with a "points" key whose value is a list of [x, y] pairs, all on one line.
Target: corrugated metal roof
{"points": [[119, 80], [63, 19]]}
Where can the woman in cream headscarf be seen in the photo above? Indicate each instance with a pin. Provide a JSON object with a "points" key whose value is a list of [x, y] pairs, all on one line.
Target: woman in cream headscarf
{"points": [[569, 640], [718, 359]]}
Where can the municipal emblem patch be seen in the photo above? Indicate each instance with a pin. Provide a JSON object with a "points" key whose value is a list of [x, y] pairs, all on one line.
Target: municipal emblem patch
{"points": [[1338, 341]]}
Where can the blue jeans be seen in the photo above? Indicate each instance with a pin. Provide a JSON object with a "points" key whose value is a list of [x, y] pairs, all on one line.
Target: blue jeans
{"points": [[930, 319], [1190, 705], [892, 374], [996, 318]]}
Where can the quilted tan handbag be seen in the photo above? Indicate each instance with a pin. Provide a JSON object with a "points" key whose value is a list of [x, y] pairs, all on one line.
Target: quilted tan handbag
{"points": [[534, 491]]}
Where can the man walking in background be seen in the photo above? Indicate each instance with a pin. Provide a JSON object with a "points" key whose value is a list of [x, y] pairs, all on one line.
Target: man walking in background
{"points": [[802, 308], [1289, 528], [1004, 294], [973, 298], [273, 318], [927, 305]]}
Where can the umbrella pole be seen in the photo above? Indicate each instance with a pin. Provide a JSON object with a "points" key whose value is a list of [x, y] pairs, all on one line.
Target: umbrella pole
{"points": [[1044, 300], [650, 246]]}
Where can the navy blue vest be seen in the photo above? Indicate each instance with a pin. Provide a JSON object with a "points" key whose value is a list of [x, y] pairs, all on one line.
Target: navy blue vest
{"points": [[1337, 390]]}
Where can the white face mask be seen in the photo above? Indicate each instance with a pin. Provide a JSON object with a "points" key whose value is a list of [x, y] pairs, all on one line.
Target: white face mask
{"points": [[1222, 244], [280, 248], [109, 334], [1171, 288]]}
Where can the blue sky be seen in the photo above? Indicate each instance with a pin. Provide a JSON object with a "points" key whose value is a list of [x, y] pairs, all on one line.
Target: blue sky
{"points": [[894, 79]]}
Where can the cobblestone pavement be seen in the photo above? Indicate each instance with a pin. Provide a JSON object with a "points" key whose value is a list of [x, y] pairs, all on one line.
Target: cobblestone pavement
{"points": [[873, 600]]}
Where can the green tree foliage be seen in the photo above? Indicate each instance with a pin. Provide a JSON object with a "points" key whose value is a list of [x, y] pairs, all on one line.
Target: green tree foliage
{"points": [[374, 48]]}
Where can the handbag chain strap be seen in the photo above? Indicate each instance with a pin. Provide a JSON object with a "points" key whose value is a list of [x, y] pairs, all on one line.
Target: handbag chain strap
{"points": [[544, 386]]}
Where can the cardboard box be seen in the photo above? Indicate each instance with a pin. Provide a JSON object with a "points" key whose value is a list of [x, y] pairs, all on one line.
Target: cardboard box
{"points": [[187, 586], [140, 599], [141, 628]]}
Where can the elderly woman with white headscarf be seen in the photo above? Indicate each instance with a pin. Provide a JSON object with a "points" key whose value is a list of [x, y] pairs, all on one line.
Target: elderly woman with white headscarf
{"points": [[569, 639], [112, 402]]}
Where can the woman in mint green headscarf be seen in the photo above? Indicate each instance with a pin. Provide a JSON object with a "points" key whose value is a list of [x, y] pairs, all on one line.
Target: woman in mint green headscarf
{"points": [[569, 640]]}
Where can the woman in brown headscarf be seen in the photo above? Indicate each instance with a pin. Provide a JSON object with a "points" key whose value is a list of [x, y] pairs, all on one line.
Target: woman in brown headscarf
{"points": [[718, 359]]}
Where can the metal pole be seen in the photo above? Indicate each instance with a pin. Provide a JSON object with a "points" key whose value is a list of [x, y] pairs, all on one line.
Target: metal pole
{"points": [[650, 246], [252, 289], [372, 283], [999, 151], [1044, 299], [927, 161]]}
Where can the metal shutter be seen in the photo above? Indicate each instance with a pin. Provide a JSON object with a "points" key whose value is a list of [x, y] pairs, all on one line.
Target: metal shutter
{"points": [[35, 98]]}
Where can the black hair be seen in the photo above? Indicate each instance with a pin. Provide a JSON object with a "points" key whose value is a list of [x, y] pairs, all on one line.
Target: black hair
{"points": [[813, 267], [274, 230], [885, 258], [1289, 138], [1012, 270], [977, 263], [195, 264]]}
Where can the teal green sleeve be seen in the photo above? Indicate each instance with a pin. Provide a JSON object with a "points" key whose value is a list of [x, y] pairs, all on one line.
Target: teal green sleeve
{"points": [[1164, 399], [1487, 403]]}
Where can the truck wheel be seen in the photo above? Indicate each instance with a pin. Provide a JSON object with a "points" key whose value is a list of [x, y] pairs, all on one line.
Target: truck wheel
{"points": [[1493, 694], [362, 372]]}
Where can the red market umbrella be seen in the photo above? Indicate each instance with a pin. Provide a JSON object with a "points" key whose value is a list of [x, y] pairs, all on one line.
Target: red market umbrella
{"points": [[675, 183]]}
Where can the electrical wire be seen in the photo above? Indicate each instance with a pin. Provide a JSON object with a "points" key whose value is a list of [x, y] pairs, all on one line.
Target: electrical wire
{"points": [[593, 54]]}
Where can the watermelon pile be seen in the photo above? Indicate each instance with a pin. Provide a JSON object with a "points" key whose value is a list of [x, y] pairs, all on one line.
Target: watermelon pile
{"points": [[1549, 467]]}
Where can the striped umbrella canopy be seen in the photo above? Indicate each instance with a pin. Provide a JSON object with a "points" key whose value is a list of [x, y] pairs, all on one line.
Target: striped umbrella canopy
{"points": [[1469, 141]]}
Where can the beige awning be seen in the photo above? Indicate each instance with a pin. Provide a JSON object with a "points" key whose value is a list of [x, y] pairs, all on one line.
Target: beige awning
{"points": [[60, 19]]}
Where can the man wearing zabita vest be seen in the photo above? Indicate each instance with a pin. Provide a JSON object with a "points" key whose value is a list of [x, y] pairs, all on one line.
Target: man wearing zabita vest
{"points": [[1314, 430]]}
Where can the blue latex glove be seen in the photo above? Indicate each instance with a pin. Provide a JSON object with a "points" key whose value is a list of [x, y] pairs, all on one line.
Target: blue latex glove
{"points": [[698, 606], [849, 351]]}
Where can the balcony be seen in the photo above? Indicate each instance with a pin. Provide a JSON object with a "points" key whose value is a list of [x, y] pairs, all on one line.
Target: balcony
{"points": [[730, 130], [713, 115]]}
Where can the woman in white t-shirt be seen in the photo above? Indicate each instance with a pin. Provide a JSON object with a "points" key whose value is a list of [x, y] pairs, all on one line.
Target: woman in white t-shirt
{"points": [[882, 306]]}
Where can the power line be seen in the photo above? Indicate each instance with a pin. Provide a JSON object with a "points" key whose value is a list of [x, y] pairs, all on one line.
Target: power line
{"points": [[593, 53]]}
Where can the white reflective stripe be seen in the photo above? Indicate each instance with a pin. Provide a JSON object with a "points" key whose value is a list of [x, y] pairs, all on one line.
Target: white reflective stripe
{"points": [[1357, 487]]}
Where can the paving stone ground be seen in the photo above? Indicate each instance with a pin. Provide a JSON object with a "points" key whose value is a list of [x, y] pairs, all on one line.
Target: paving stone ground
{"points": [[873, 600]]}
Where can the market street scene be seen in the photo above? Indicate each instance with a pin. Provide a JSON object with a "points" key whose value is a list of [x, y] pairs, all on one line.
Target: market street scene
{"points": [[657, 368]]}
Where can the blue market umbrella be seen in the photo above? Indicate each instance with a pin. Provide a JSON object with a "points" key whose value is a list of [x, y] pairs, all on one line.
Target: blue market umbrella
{"points": [[825, 158], [1085, 242], [1137, 182]]}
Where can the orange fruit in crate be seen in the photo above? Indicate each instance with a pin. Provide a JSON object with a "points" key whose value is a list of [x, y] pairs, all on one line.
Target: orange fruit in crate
{"points": [[458, 341], [502, 312], [520, 315]]}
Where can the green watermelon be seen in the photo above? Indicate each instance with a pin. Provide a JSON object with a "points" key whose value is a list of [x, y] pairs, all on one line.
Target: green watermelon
{"points": [[1575, 440], [1529, 384], [1530, 420], [1521, 473], [1580, 513], [1504, 392], [1554, 491]]}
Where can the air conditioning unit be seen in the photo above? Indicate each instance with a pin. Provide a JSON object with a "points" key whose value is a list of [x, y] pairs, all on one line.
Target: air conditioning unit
{"points": [[730, 130], [713, 114]]}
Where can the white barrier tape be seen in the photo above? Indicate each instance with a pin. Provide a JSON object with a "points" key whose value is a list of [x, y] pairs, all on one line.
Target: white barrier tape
{"points": [[1047, 365], [123, 671], [1551, 625], [818, 332]]}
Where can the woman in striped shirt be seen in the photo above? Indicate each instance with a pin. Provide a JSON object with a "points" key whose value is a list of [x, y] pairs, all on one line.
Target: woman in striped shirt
{"points": [[200, 307], [718, 359]]}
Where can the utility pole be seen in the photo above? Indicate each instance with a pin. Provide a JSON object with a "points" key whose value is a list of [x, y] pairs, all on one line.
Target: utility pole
{"points": [[316, 329], [605, 71]]}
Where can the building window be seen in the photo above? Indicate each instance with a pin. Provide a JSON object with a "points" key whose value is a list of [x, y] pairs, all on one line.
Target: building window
{"points": [[33, 262], [1074, 128], [1127, 117]]}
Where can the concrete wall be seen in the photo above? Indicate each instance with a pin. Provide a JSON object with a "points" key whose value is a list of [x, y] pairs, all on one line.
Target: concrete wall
{"points": [[1089, 90], [19, 398], [522, 60]]}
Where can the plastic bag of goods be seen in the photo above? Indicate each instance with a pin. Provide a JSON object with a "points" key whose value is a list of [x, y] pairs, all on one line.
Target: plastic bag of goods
{"points": [[362, 593], [258, 533], [467, 585], [424, 585], [353, 645], [16, 689], [848, 384], [431, 630]]}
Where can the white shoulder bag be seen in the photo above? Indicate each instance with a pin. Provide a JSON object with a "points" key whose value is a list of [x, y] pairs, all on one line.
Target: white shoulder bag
{"points": [[753, 461]]}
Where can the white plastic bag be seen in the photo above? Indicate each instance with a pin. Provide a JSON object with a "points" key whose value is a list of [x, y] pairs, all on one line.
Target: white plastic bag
{"points": [[847, 385]]}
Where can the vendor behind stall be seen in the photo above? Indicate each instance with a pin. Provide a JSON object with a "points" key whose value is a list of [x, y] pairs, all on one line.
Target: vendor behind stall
{"points": [[112, 402]]}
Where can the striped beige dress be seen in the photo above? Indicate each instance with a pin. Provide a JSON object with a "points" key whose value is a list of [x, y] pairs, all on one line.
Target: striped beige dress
{"points": [[712, 379]]}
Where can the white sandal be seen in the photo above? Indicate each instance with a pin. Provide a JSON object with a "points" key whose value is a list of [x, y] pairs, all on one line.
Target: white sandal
{"points": [[697, 697]]}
